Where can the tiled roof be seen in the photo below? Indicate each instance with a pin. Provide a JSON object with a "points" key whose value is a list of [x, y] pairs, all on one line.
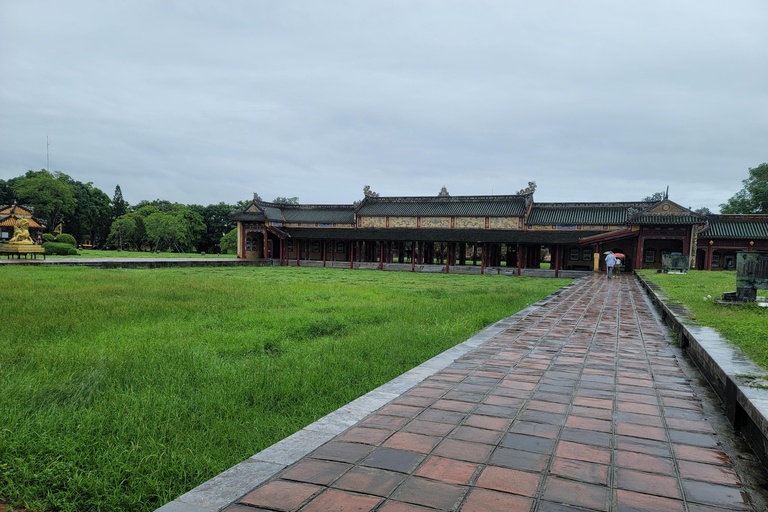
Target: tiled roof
{"points": [[459, 206], [666, 219], [754, 227], [320, 214], [590, 214]]}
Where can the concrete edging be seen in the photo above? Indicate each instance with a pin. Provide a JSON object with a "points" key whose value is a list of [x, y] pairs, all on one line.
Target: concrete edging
{"points": [[225, 488], [727, 369]]}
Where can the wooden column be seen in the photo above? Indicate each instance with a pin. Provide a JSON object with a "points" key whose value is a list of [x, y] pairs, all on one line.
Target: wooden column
{"points": [[325, 251], [519, 260], [708, 260], [413, 256], [381, 255], [298, 253], [351, 254], [557, 261], [639, 255], [264, 232], [448, 258]]}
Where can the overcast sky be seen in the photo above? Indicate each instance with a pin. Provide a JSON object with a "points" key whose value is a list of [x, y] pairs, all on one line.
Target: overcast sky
{"points": [[210, 101]]}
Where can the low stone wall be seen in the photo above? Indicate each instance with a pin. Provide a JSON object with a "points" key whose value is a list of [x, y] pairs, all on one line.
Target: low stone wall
{"points": [[141, 262], [727, 369]]}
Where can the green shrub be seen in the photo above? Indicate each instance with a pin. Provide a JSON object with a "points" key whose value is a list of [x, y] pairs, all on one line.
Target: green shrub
{"points": [[66, 239], [59, 248], [47, 237]]}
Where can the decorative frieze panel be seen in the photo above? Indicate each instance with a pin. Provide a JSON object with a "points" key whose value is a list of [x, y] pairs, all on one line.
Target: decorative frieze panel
{"points": [[504, 223], [436, 222], [402, 222], [373, 222], [470, 222]]}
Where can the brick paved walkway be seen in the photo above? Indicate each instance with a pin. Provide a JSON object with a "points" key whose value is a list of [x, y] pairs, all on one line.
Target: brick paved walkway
{"points": [[579, 406]]}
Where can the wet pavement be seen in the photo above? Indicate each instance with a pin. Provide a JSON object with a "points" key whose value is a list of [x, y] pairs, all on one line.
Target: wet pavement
{"points": [[581, 405]]}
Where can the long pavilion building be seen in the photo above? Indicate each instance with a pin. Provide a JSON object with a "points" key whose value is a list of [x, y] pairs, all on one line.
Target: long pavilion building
{"points": [[509, 233]]}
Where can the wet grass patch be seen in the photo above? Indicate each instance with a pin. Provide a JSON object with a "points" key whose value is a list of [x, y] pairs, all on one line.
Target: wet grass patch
{"points": [[746, 326], [122, 389]]}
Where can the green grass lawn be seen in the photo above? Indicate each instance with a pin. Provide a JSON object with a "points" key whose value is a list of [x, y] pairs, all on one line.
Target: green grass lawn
{"points": [[746, 326], [90, 253], [122, 389]]}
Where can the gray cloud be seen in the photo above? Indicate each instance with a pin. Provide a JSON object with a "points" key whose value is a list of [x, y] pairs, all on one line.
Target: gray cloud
{"points": [[201, 102]]}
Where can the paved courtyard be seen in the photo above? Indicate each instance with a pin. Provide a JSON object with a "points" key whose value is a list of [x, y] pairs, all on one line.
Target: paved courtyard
{"points": [[581, 405]]}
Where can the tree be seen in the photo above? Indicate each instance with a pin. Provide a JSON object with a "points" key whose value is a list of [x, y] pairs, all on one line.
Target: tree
{"points": [[228, 243], [218, 222], [286, 200], [119, 205], [93, 214], [164, 231], [753, 197], [655, 197], [50, 194], [122, 229]]}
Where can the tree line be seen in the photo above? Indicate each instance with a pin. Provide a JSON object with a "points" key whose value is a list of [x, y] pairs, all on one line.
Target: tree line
{"points": [[87, 213]]}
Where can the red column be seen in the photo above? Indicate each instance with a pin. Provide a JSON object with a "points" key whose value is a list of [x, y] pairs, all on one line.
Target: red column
{"points": [[639, 255], [413, 256], [333, 250], [557, 261], [708, 261], [482, 259], [351, 255], [381, 255], [298, 253], [324, 252], [242, 243], [447, 255]]}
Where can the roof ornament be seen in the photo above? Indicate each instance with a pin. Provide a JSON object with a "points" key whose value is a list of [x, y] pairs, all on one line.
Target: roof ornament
{"points": [[368, 192], [528, 190], [443, 192], [666, 194]]}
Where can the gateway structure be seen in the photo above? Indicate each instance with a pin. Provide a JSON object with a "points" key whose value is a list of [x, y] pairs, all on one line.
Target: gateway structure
{"points": [[510, 232]]}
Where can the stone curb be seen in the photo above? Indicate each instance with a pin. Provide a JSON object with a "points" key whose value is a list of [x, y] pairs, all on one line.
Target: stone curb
{"points": [[727, 369], [223, 489]]}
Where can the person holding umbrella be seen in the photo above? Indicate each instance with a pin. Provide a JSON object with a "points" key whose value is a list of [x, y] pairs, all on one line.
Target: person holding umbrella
{"points": [[617, 266], [610, 261]]}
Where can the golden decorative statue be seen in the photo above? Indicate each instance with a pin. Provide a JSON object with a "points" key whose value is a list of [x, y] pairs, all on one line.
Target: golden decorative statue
{"points": [[21, 232]]}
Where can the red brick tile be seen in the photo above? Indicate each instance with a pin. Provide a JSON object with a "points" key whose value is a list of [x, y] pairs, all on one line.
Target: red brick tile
{"points": [[454, 405], [517, 459], [280, 495], [629, 501], [535, 429], [384, 422], [649, 409], [597, 403], [365, 435], [580, 494], [592, 412], [690, 425], [440, 416], [403, 411], [588, 424], [447, 470], [403, 461], [578, 451], [341, 452], [430, 493], [395, 506], [508, 480], [528, 443], [681, 404], [429, 428], [634, 397], [648, 483], [341, 501], [503, 401], [418, 401], [636, 444], [644, 462], [642, 431], [426, 391], [731, 498], [547, 406], [315, 471], [487, 422], [477, 435], [484, 500], [639, 419], [413, 442], [463, 450], [374, 481], [708, 473], [580, 471]]}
